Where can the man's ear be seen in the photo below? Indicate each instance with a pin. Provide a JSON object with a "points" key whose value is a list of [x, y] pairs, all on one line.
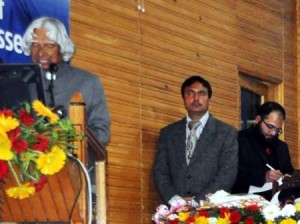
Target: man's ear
{"points": [[257, 119]]}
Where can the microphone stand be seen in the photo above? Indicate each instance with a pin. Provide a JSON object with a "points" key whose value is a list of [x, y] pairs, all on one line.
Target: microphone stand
{"points": [[58, 109], [52, 69]]}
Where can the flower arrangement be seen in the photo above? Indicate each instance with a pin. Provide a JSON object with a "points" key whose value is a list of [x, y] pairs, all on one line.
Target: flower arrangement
{"points": [[34, 143], [250, 214], [224, 208]]}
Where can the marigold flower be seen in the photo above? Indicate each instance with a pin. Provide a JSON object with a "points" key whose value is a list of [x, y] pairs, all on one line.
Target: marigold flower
{"points": [[8, 123], [182, 216], [225, 218], [201, 220], [223, 221], [52, 162], [3, 169], [21, 192], [288, 221], [5, 146], [44, 111]]}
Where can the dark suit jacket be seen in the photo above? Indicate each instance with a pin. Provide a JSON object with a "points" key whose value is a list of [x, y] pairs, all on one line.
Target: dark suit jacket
{"points": [[213, 165], [253, 159]]}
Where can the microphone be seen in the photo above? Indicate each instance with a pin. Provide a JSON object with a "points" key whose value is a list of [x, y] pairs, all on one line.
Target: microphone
{"points": [[53, 68], [60, 111]]}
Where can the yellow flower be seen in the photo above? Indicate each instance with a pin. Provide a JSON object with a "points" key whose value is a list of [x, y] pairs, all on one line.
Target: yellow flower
{"points": [[298, 207], [21, 192], [183, 216], [8, 123], [52, 162], [5, 146], [288, 221], [44, 111], [270, 222], [223, 221], [201, 220]]}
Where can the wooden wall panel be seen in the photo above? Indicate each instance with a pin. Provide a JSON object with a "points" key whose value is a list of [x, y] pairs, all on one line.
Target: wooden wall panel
{"points": [[107, 38], [257, 38], [290, 79], [142, 59]]}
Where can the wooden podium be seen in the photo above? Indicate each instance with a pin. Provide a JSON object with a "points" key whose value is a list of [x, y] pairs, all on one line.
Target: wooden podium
{"points": [[64, 198]]}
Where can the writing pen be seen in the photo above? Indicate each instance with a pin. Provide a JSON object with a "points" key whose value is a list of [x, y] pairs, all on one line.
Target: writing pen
{"points": [[271, 168]]}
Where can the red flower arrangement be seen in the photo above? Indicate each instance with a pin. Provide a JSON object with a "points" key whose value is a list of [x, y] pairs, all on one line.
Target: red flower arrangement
{"points": [[35, 143], [248, 215]]}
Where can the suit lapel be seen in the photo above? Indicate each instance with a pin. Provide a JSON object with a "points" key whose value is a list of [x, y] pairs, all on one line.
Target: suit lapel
{"points": [[178, 142]]}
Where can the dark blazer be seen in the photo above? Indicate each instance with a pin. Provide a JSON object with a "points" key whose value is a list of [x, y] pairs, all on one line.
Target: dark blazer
{"points": [[253, 159], [213, 165]]}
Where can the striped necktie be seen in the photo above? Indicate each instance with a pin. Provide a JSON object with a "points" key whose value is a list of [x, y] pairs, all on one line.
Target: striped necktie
{"points": [[192, 139]]}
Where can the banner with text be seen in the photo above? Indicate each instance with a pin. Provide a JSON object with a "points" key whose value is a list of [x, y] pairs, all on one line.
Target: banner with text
{"points": [[16, 15]]}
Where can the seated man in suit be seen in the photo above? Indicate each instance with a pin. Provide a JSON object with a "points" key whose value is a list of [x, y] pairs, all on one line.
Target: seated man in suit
{"points": [[185, 170], [263, 157]]}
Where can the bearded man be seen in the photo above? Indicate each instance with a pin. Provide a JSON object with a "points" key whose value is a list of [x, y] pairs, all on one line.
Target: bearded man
{"points": [[263, 157]]}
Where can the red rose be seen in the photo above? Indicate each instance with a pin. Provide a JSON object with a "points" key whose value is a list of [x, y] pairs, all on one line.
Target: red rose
{"points": [[249, 220], [175, 221], [223, 211], [7, 112], [42, 143], [19, 145], [235, 216], [26, 118], [190, 220], [203, 213], [252, 208], [40, 185], [13, 134], [3, 169]]}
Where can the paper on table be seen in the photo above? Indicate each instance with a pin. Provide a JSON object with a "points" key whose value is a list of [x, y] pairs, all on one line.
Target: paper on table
{"points": [[254, 189], [275, 199], [267, 186]]}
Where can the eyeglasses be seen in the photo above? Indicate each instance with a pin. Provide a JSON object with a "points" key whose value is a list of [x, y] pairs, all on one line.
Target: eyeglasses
{"points": [[272, 127]]}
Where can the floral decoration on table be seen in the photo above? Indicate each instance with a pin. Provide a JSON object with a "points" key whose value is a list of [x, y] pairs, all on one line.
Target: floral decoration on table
{"points": [[242, 211], [34, 143]]}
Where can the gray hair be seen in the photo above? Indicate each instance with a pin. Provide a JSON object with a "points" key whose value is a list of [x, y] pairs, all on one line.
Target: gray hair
{"points": [[56, 32]]}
